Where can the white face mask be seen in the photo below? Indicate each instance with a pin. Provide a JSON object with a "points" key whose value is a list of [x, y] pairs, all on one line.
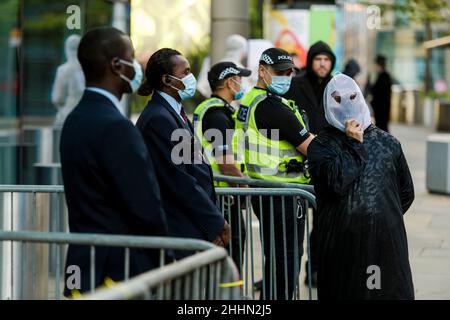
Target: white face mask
{"points": [[343, 100], [190, 86], [279, 84], [136, 81]]}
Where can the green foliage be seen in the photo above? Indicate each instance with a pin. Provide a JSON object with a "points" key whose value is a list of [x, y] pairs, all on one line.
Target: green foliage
{"points": [[256, 19], [8, 14], [138, 103], [424, 11], [435, 95], [421, 11]]}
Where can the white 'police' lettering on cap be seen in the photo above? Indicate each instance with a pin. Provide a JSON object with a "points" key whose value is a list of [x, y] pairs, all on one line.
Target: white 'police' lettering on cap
{"points": [[284, 57], [227, 71]]}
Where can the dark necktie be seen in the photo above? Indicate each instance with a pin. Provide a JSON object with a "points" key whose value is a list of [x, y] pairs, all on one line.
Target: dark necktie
{"points": [[183, 115]]}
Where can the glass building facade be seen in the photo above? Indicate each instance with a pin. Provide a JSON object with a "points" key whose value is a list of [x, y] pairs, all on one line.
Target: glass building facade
{"points": [[32, 41]]}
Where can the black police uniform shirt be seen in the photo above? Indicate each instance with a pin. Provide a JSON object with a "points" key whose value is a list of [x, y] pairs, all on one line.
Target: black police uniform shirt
{"points": [[271, 113], [221, 119]]}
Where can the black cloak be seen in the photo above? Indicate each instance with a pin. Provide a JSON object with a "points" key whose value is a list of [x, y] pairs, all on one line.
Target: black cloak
{"points": [[363, 190]]}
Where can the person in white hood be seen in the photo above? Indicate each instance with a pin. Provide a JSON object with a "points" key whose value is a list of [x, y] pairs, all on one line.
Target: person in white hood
{"points": [[363, 187], [344, 101], [236, 47]]}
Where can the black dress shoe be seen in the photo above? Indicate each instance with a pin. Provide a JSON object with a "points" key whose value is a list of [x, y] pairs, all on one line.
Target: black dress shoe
{"points": [[258, 285], [313, 279]]}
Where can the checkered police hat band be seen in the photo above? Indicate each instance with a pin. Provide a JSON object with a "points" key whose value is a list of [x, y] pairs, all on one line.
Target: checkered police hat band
{"points": [[266, 59], [228, 71]]}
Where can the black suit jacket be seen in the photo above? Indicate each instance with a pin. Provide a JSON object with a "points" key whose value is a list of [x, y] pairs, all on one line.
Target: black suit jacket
{"points": [[110, 187], [187, 190]]}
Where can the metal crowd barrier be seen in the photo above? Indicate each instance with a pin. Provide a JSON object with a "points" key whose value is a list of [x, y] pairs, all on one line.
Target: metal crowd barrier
{"points": [[204, 275], [263, 183], [33, 208], [278, 213], [30, 208], [43, 208]]}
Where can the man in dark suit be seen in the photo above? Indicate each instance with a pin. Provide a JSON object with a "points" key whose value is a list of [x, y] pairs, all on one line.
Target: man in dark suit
{"points": [[185, 178], [109, 180]]}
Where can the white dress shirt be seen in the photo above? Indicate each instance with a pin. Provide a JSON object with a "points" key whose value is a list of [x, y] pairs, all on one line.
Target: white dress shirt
{"points": [[108, 95], [173, 103]]}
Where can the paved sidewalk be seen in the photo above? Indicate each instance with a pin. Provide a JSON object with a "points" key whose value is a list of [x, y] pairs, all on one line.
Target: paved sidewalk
{"points": [[427, 221]]}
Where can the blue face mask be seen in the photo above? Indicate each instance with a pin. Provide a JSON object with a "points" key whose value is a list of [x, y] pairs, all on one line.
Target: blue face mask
{"points": [[190, 86], [239, 94], [136, 81], [280, 84]]}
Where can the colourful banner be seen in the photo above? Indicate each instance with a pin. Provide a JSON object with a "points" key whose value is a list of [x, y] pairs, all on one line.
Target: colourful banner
{"points": [[295, 30]]}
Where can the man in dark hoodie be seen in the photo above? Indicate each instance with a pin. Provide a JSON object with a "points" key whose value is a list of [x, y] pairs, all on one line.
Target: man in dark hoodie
{"points": [[307, 91]]}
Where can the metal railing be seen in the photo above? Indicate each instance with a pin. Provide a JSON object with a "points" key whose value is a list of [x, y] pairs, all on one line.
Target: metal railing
{"points": [[206, 275], [281, 216], [33, 208], [30, 208], [199, 276], [273, 203], [263, 183]]}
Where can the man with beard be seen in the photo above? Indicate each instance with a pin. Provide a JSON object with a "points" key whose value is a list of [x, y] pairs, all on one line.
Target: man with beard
{"points": [[307, 89]]}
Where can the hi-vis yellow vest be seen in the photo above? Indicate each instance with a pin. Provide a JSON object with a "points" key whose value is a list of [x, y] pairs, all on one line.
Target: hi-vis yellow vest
{"points": [[268, 159], [199, 114]]}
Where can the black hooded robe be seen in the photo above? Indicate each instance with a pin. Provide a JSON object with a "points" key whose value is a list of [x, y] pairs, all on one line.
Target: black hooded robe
{"points": [[362, 190]]}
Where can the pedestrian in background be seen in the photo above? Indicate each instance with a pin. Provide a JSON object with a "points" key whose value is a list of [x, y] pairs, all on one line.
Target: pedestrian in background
{"points": [[381, 94], [352, 68]]}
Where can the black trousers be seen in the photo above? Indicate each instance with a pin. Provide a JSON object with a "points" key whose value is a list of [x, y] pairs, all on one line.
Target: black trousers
{"points": [[281, 272], [382, 116], [231, 208], [314, 243]]}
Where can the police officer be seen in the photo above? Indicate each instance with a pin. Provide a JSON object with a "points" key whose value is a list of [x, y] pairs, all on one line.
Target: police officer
{"points": [[214, 123], [276, 141]]}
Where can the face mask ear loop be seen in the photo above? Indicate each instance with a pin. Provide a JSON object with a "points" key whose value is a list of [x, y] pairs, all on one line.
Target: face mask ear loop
{"points": [[264, 79], [127, 63], [240, 86], [173, 87]]}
